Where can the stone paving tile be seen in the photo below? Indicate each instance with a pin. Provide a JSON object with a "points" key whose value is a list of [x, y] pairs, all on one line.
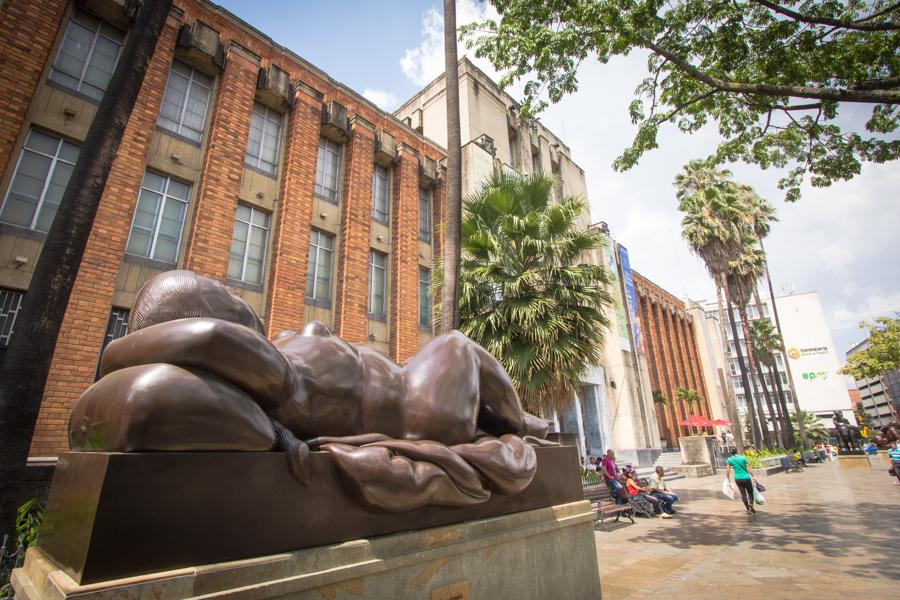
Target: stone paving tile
{"points": [[827, 533]]}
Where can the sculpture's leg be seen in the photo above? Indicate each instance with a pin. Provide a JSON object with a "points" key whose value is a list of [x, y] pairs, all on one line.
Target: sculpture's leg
{"points": [[453, 388], [167, 408], [227, 350]]}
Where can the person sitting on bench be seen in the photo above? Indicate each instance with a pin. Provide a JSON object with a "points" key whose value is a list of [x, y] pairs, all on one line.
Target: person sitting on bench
{"points": [[660, 507]]}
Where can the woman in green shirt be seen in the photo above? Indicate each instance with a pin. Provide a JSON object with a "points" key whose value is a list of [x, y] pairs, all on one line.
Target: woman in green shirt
{"points": [[743, 478]]}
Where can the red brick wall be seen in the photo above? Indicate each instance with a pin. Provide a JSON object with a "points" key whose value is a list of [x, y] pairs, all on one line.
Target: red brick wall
{"points": [[350, 316], [672, 353], [404, 269], [212, 226], [290, 243], [27, 31], [75, 359]]}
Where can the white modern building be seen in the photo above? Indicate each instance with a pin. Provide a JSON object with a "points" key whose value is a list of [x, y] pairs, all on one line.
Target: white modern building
{"points": [[812, 358]]}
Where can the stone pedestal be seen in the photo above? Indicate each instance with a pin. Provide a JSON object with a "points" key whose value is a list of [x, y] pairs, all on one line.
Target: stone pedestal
{"points": [[537, 554], [853, 461], [693, 470]]}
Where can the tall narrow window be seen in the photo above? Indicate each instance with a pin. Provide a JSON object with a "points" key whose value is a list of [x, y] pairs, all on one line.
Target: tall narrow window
{"points": [[381, 189], [39, 181], [248, 244], [116, 327], [377, 285], [265, 136], [327, 169], [424, 298], [425, 215], [10, 303], [318, 274], [184, 106], [158, 219], [88, 55]]}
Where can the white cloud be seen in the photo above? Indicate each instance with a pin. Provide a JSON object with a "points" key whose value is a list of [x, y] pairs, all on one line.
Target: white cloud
{"points": [[383, 99], [426, 61]]}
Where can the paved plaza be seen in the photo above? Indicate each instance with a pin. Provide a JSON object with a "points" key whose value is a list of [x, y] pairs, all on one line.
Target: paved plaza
{"points": [[829, 532]]}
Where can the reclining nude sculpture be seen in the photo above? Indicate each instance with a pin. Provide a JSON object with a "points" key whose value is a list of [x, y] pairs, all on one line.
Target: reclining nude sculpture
{"points": [[197, 373]]}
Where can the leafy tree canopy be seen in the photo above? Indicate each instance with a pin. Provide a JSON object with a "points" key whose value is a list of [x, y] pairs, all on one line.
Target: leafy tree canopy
{"points": [[771, 74], [883, 353], [529, 292]]}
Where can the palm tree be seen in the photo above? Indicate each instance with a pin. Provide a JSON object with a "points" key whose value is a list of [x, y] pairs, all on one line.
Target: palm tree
{"points": [[26, 362], [525, 294], [760, 215], [710, 212], [743, 274], [453, 197], [767, 343], [660, 398], [815, 431], [689, 397]]}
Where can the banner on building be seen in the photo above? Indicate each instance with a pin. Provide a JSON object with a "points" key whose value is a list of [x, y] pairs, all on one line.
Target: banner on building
{"points": [[631, 298], [618, 301]]}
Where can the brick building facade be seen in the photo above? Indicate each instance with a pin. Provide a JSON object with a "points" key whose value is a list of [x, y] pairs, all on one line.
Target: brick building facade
{"points": [[673, 356], [241, 161]]}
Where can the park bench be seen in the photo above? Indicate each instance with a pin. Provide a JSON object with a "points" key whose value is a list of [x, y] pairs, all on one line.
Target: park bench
{"points": [[603, 504], [810, 456], [790, 465]]}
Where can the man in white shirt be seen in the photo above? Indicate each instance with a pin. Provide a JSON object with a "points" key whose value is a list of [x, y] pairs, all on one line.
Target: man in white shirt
{"points": [[660, 489]]}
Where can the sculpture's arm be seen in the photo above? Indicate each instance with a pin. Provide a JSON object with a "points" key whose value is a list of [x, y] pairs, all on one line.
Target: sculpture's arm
{"points": [[232, 352]]}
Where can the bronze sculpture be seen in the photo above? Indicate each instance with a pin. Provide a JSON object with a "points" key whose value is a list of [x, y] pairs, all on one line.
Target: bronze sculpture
{"points": [[889, 433], [849, 436], [196, 372]]}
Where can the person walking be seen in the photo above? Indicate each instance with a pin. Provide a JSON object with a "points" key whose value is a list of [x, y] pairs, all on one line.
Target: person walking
{"points": [[743, 478], [894, 455]]}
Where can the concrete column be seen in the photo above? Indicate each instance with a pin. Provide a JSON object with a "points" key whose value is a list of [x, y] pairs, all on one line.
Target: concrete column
{"points": [[84, 325], [404, 262], [212, 225], [285, 308], [351, 302]]}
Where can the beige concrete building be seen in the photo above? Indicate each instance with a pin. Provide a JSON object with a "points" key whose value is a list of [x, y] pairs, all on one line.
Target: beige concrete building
{"points": [[614, 406], [712, 358], [493, 135]]}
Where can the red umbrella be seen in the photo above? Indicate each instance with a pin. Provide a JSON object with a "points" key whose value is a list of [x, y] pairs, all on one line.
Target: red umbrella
{"points": [[722, 422], [697, 421]]}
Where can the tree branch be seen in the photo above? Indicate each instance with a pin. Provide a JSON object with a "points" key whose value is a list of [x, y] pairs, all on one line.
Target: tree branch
{"points": [[767, 89], [859, 25]]}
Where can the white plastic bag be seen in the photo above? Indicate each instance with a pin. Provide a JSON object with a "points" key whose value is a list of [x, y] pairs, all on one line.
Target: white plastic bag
{"points": [[727, 489], [758, 497]]}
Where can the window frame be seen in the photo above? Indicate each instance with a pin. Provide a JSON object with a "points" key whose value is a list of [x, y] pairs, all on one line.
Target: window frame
{"points": [[382, 314], [312, 277], [323, 145], [54, 161], [96, 34], [155, 235], [266, 120], [183, 109], [9, 312], [265, 246], [387, 195], [425, 234], [427, 324]]}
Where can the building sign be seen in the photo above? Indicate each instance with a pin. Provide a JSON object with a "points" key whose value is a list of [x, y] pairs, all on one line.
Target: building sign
{"points": [[618, 301], [811, 375], [796, 353], [631, 298]]}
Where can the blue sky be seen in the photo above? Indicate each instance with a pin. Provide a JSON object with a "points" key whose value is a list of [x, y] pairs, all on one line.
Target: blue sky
{"points": [[359, 43], [840, 241]]}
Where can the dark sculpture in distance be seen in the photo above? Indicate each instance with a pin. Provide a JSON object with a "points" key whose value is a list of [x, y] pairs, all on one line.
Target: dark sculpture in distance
{"points": [[196, 373], [849, 437], [889, 433]]}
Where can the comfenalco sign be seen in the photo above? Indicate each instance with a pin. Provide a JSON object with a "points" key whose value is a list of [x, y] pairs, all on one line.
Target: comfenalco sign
{"points": [[796, 353]]}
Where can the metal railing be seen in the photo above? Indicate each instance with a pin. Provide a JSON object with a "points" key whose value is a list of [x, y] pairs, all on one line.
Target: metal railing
{"points": [[8, 562]]}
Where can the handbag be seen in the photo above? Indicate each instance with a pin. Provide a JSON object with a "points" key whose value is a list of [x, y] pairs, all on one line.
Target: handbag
{"points": [[758, 497], [727, 489], [760, 487]]}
